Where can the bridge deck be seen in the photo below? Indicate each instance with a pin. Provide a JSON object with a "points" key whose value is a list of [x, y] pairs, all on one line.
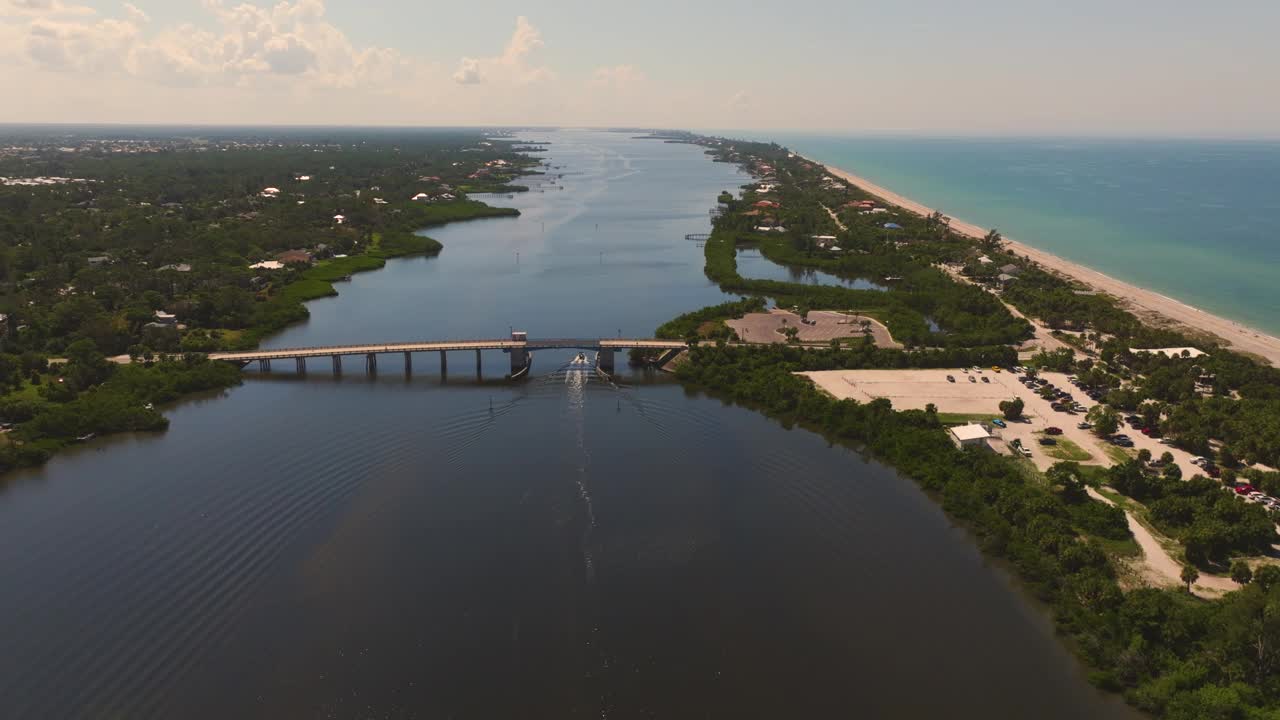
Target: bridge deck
{"points": [[449, 345]]}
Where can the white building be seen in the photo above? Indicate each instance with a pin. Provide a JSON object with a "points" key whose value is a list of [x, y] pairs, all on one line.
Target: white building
{"points": [[972, 435], [268, 265]]}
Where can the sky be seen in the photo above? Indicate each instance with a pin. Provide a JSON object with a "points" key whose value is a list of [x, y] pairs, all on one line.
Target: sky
{"points": [[981, 67]]}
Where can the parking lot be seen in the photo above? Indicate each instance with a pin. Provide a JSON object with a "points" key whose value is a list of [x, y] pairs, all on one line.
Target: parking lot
{"points": [[970, 394], [824, 327]]}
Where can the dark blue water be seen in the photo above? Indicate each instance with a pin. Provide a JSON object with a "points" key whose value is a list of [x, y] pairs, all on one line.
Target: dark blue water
{"points": [[755, 266], [429, 546], [1195, 220]]}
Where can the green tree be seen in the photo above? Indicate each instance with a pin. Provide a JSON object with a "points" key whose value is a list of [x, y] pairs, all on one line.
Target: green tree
{"points": [[1012, 409], [1267, 577], [1241, 572], [1105, 420]]}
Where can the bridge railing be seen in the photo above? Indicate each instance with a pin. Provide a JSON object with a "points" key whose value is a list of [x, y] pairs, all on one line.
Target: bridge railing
{"points": [[354, 346], [431, 345]]}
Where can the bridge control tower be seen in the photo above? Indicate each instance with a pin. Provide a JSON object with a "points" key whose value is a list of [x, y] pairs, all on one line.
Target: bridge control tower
{"points": [[519, 355]]}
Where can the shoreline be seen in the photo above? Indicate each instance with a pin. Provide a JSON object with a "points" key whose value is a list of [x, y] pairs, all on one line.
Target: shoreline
{"points": [[1149, 306]]}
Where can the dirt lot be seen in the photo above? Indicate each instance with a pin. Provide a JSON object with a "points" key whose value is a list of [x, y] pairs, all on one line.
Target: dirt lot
{"points": [[764, 328], [914, 389]]}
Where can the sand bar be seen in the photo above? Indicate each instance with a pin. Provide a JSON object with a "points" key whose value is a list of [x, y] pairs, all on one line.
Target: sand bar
{"points": [[1151, 307]]}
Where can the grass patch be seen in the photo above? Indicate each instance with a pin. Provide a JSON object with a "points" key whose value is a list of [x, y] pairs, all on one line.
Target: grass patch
{"points": [[1067, 450], [1117, 455], [963, 418]]}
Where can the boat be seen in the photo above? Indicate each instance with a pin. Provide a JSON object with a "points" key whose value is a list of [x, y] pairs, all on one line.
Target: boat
{"points": [[579, 362], [86, 437]]}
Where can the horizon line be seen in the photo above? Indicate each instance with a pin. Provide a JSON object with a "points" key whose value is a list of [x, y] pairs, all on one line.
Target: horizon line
{"points": [[706, 131]]}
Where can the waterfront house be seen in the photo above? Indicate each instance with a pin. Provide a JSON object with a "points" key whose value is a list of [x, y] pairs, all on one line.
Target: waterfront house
{"points": [[1011, 269], [270, 192], [972, 435], [766, 204], [1005, 279], [294, 256], [99, 260], [165, 318]]}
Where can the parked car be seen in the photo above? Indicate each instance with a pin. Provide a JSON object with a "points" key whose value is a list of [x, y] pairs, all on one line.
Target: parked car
{"points": [[1048, 441], [1053, 431], [1026, 452], [973, 379], [999, 423], [951, 378], [986, 379], [1166, 441], [1085, 426]]}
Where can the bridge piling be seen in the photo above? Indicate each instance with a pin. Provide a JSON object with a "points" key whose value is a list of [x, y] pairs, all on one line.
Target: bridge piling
{"points": [[444, 363], [605, 360], [264, 365], [302, 365], [479, 367], [408, 363], [371, 363], [337, 364]]}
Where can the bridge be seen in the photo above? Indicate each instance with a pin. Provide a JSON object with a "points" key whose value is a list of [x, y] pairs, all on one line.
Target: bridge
{"points": [[519, 346]]}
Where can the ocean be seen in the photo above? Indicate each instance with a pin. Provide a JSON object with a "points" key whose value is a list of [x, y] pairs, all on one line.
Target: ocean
{"points": [[1196, 220]]}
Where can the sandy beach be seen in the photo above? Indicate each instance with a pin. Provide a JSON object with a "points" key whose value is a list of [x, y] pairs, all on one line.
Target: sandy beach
{"points": [[1151, 307]]}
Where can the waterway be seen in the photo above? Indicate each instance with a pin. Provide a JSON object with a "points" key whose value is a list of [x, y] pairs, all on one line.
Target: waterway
{"points": [[447, 546]]}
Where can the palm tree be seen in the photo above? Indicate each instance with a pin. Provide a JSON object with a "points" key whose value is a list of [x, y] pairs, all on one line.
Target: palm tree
{"points": [[1189, 575], [993, 240]]}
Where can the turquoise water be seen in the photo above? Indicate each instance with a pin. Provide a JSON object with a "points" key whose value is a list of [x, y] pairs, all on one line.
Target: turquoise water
{"points": [[1196, 220]]}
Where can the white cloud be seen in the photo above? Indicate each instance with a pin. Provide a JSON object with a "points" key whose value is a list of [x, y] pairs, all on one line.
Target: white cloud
{"points": [[136, 15], [287, 62], [513, 66], [42, 7], [468, 72]]}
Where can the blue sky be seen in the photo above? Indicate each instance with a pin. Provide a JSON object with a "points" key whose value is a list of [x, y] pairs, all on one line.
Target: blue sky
{"points": [[1129, 67]]}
